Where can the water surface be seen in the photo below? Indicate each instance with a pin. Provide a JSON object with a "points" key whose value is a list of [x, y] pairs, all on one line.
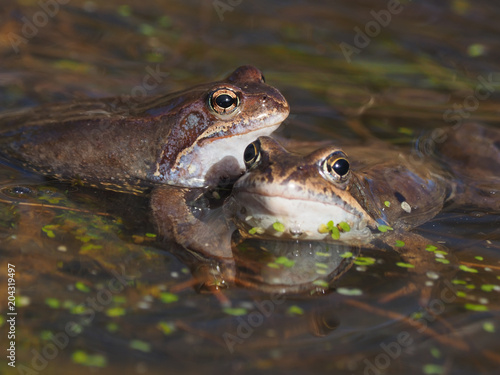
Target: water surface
{"points": [[97, 292]]}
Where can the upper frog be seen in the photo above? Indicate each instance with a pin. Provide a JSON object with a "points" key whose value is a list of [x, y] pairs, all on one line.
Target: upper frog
{"points": [[191, 138], [353, 192]]}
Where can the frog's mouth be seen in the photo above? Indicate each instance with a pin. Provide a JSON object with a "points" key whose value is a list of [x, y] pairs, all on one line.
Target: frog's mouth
{"points": [[295, 217]]}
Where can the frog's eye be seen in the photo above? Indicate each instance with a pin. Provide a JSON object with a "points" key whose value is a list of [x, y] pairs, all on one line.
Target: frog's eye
{"points": [[223, 101], [336, 166], [251, 156]]}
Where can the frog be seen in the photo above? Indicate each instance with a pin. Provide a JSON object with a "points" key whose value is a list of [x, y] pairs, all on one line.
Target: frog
{"points": [[372, 194], [190, 138], [358, 192]]}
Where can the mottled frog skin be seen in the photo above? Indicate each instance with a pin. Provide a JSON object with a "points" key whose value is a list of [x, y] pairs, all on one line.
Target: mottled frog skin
{"points": [[364, 187], [189, 138]]}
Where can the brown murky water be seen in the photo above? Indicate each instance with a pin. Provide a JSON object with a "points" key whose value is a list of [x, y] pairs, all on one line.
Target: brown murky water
{"points": [[96, 292]]}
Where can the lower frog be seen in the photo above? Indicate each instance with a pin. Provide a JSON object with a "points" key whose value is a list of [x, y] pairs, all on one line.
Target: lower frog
{"points": [[188, 138], [330, 197], [353, 194]]}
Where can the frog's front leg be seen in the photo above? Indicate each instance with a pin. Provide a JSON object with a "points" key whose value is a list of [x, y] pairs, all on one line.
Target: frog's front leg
{"points": [[185, 221]]}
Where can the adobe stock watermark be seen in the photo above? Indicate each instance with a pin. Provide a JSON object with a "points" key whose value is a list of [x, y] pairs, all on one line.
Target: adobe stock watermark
{"points": [[60, 340], [223, 6], [483, 90], [372, 29], [401, 344], [249, 323], [30, 28]]}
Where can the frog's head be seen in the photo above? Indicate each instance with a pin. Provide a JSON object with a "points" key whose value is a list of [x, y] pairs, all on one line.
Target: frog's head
{"points": [[212, 124], [291, 195]]}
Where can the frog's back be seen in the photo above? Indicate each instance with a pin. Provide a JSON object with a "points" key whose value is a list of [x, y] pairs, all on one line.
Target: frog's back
{"points": [[84, 141], [472, 153], [395, 188]]}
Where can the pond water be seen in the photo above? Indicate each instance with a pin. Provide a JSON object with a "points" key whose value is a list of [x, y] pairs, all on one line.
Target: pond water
{"points": [[98, 292]]}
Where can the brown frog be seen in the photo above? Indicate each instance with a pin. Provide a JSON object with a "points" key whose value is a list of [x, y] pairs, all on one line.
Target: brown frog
{"points": [[353, 192], [188, 138], [333, 196]]}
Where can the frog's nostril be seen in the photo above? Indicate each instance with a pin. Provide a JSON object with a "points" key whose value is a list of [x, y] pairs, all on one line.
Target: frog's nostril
{"points": [[264, 98]]}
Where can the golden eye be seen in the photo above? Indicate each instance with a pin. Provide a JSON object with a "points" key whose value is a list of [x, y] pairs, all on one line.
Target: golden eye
{"points": [[336, 166], [251, 156], [223, 101]]}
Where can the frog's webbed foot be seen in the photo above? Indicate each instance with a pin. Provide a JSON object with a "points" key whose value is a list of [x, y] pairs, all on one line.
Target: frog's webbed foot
{"points": [[428, 265]]}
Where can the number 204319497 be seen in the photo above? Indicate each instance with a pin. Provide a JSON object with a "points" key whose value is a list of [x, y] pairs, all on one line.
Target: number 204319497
{"points": [[11, 286]]}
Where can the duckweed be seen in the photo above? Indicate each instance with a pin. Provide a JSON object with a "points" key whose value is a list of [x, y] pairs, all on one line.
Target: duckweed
{"points": [[464, 268], [441, 260], [344, 227], [256, 230], [235, 311], [140, 345], [115, 312], [335, 233], [82, 287], [112, 327], [93, 360], [333, 229], [119, 299], [489, 327], [474, 307], [384, 228], [124, 10], [167, 297], [431, 248], [488, 287], [279, 227], [89, 246], [400, 243], [350, 291], [78, 309], [49, 230], [436, 353], [320, 283], [46, 335], [295, 310], [166, 327], [432, 369], [405, 265], [364, 261], [285, 261]]}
